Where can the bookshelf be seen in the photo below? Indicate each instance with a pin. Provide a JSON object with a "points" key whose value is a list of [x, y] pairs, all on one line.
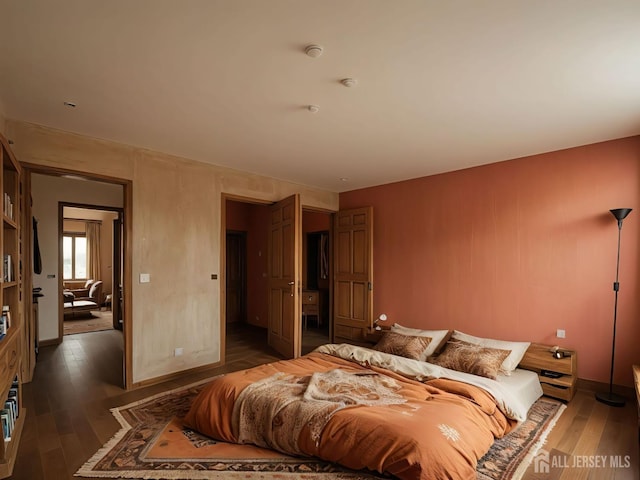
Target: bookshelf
{"points": [[11, 333]]}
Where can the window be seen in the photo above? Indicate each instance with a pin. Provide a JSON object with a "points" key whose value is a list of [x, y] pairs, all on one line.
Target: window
{"points": [[74, 256]]}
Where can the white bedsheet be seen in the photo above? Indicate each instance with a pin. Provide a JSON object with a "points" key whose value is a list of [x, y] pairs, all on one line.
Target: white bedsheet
{"points": [[514, 394], [523, 385]]}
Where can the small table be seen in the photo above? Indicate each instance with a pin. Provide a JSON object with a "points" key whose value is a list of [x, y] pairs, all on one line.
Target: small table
{"points": [[310, 306]]}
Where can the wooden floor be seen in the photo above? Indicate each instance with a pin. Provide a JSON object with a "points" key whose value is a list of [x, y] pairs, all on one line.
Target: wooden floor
{"points": [[77, 382]]}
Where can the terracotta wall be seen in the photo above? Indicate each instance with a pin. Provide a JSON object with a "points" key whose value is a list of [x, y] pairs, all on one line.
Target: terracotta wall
{"points": [[254, 220], [315, 221], [516, 250]]}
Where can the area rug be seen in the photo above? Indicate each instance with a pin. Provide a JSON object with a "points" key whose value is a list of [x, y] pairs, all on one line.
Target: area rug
{"points": [[88, 323], [153, 444]]}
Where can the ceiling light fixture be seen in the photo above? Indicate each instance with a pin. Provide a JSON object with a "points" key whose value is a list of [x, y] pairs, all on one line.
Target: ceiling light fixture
{"points": [[313, 50], [349, 82], [70, 104], [313, 108]]}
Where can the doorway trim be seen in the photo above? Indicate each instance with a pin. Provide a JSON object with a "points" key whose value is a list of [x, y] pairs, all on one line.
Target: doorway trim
{"points": [[127, 210]]}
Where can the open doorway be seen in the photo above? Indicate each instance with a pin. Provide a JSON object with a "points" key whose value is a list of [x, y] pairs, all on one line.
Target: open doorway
{"points": [[316, 279], [246, 246], [90, 273], [47, 191], [246, 233]]}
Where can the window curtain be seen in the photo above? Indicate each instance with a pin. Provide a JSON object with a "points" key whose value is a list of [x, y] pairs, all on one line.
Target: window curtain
{"points": [[93, 250]]}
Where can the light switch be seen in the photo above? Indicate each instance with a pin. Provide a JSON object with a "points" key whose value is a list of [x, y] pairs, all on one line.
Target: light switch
{"points": [[145, 277]]}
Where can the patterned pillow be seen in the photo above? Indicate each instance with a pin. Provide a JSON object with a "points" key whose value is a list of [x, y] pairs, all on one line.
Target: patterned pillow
{"points": [[438, 338], [403, 345], [471, 358]]}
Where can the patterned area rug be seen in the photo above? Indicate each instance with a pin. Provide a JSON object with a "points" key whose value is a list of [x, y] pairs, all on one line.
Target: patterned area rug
{"points": [[85, 322], [153, 444]]}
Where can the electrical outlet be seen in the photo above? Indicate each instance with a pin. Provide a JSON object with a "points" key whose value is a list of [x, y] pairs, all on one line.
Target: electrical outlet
{"points": [[145, 277], [178, 351], [560, 333]]}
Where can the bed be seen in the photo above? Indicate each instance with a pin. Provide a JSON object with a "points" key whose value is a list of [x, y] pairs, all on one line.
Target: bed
{"points": [[368, 409]]}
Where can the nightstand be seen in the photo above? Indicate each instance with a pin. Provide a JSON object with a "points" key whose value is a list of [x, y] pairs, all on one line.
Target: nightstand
{"points": [[558, 376], [310, 306]]}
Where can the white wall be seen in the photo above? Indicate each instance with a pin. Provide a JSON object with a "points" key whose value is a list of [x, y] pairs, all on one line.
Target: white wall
{"points": [[47, 192]]}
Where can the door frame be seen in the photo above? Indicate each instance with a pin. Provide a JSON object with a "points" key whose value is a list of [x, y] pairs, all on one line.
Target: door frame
{"points": [[223, 255], [127, 191]]}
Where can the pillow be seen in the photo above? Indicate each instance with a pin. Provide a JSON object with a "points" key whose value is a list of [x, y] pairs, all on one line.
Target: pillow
{"points": [[93, 291], [403, 345], [438, 338], [518, 349], [471, 358]]}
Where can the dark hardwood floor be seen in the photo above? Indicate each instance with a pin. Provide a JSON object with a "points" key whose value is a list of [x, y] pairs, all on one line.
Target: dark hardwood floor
{"points": [[77, 382]]}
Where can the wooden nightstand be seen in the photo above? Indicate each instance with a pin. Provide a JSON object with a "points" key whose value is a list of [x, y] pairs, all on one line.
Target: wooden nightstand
{"points": [[540, 359], [311, 306]]}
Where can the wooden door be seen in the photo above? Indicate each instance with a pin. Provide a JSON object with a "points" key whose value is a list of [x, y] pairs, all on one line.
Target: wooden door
{"points": [[353, 275], [236, 282], [285, 272]]}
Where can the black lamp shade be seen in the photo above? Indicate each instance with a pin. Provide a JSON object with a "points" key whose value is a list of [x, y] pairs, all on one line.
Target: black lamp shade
{"points": [[620, 213]]}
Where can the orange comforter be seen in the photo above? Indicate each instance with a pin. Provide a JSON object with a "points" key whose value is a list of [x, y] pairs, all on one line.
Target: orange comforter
{"points": [[440, 432]]}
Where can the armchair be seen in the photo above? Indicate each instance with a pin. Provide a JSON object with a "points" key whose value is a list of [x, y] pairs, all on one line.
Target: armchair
{"points": [[92, 294], [83, 299], [80, 292]]}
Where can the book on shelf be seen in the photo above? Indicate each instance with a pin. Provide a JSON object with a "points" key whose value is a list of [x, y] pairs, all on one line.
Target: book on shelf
{"points": [[12, 405], [6, 430], [8, 268], [8, 206], [6, 312]]}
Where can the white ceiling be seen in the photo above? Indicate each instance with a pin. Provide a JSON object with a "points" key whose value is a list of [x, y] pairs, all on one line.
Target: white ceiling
{"points": [[442, 85]]}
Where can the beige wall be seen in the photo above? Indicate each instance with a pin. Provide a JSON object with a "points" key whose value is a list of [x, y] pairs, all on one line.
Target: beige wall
{"points": [[175, 238], [47, 192]]}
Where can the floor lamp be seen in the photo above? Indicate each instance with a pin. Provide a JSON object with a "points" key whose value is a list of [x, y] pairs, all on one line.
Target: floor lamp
{"points": [[609, 397]]}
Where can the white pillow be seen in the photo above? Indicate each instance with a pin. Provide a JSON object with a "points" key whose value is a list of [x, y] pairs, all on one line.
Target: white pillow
{"points": [[437, 337], [518, 349]]}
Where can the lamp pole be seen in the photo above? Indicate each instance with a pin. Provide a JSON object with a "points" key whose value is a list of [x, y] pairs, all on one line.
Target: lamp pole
{"points": [[609, 397]]}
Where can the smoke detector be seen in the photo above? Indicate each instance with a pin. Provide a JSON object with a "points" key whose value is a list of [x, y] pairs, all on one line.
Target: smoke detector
{"points": [[349, 82], [313, 50]]}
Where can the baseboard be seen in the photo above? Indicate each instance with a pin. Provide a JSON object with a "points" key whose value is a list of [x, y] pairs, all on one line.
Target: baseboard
{"points": [[176, 375], [593, 386]]}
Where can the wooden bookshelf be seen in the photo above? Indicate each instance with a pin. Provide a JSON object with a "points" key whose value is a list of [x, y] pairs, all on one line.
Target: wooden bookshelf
{"points": [[11, 340]]}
